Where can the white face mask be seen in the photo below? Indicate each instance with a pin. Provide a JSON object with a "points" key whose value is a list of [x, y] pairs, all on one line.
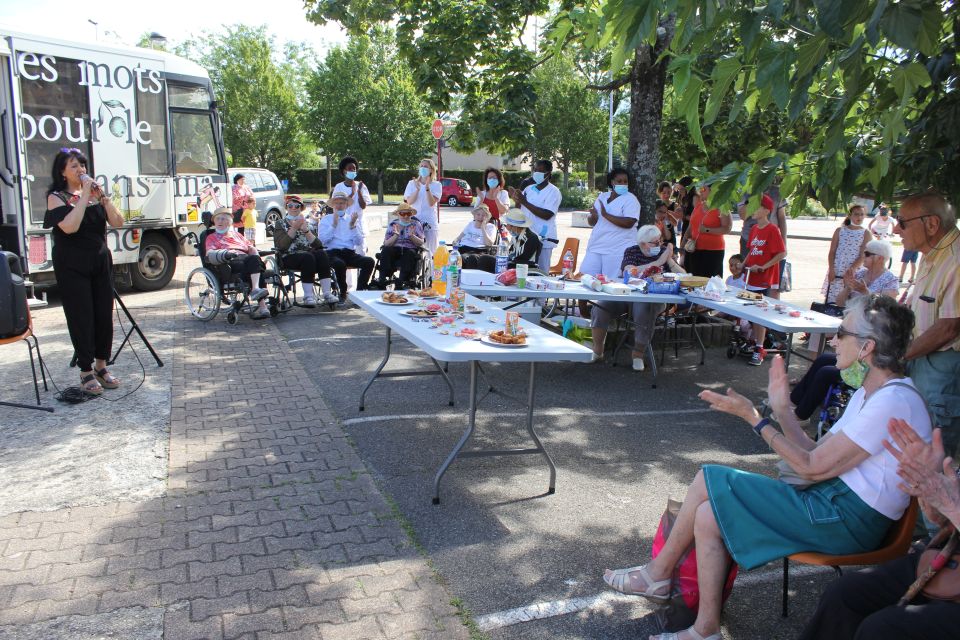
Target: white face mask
{"points": [[652, 251]]}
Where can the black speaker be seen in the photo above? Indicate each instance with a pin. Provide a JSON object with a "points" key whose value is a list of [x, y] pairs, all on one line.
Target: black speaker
{"points": [[14, 319]]}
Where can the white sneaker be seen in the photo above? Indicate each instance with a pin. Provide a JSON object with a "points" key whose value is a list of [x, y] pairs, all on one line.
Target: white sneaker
{"points": [[309, 302], [638, 364], [259, 294], [329, 298]]}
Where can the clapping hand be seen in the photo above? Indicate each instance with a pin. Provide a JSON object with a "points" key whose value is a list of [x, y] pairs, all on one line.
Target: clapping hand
{"points": [[909, 446], [353, 218], [732, 403], [778, 385]]}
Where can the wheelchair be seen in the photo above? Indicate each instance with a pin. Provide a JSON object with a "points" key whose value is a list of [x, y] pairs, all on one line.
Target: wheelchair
{"points": [[422, 273], [284, 281], [212, 286]]}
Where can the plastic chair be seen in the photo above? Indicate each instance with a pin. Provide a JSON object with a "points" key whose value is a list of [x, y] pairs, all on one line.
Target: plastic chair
{"points": [[895, 545], [26, 336], [572, 245]]}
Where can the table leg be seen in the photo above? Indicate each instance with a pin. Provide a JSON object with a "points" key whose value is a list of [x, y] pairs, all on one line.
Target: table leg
{"points": [[786, 359], [383, 363], [533, 432], [471, 423], [696, 334], [446, 378], [653, 363]]}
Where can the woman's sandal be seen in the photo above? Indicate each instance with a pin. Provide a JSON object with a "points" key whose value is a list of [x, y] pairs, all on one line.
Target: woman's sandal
{"points": [[694, 634], [107, 380], [91, 385], [619, 579]]}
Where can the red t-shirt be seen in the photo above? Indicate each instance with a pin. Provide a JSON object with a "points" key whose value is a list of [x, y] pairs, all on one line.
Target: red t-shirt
{"points": [[711, 218], [761, 247], [492, 205]]}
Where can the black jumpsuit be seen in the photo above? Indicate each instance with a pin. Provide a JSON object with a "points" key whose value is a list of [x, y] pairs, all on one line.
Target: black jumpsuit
{"points": [[84, 270]]}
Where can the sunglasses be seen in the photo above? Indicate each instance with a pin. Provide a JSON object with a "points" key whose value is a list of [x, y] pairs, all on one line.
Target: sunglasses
{"points": [[405, 214], [294, 205], [903, 223], [867, 254], [843, 333]]}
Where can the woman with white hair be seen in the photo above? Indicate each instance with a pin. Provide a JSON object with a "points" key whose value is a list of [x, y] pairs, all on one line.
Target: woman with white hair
{"points": [[646, 258], [873, 276], [524, 247], [423, 193], [854, 493]]}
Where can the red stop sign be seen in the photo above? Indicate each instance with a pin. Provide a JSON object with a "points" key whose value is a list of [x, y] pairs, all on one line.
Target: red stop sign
{"points": [[437, 128]]}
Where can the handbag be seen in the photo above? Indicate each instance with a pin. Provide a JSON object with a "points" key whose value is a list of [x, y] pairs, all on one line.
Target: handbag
{"points": [[827, 308], [938, 571]]}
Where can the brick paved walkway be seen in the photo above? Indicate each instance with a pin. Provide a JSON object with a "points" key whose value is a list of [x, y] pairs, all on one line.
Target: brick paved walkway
{"points": [[270, 526]]}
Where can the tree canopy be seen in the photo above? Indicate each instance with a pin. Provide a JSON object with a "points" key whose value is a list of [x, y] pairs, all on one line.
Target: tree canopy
{"points": [[865, 91], [362, 101]]}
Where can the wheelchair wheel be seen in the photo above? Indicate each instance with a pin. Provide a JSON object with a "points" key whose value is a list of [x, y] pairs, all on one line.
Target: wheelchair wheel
{"points": [[232, 317], [732, 351], [550, 307], [202, 294]]}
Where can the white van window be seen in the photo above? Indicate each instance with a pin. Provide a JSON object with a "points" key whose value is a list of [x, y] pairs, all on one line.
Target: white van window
{"points": [[152, 108], [189, 97], [193, 144]]}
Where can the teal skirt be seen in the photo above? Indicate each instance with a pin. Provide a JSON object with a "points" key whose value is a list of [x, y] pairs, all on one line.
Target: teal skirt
{"points": [[762, 519]]}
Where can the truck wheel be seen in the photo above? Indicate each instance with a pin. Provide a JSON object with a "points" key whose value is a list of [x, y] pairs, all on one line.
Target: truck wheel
{"points": [[155, 267], [273, 216]]}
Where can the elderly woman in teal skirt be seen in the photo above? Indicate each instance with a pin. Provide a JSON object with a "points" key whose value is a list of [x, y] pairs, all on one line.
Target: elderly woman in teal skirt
{"points": [[853, 496]]}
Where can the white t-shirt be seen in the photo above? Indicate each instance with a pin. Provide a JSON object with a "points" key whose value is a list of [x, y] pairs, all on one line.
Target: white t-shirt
{"points": [[865, 423], [473, 237], [362, 192], [606, 237], [736, 283], [426, 212], [548, 198]]}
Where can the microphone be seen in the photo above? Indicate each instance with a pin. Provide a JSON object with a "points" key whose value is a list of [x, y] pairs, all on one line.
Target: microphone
{"points": [[95, 188]]}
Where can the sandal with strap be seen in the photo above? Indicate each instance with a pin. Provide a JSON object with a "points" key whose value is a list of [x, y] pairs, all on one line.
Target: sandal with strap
{"points": [[693, 633], [619, 579], [107, 380], [91, 385]]}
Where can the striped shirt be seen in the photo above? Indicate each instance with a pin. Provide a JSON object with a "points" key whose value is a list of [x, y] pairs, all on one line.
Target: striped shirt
{"points": [[936, 293]]}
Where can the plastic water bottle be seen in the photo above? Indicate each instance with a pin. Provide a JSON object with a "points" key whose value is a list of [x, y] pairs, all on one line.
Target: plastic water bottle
{"points": [[440, 259], [454, 266], [567, 264], [503, 257]]}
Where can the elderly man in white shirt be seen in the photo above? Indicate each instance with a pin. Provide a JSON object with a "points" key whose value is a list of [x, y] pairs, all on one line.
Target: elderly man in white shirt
{"points": [[359, 198], [541, 201], [340, 235]]}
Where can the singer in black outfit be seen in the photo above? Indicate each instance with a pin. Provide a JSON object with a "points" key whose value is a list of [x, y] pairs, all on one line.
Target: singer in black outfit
{"points": [[78, 211]]}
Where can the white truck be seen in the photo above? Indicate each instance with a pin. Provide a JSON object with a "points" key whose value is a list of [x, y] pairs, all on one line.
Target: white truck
{"points": [[148, 123]]}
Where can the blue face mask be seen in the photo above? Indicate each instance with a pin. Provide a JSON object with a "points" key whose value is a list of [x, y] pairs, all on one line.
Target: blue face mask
{"points": [[221, 232], [424, 172], [404, 223], [292, 217], [539, 176], [621, 189], [351, 175], [493, 182]]}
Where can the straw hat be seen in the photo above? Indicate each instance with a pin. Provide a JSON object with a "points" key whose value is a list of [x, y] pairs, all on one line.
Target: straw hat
{"points": [[404, 208], [339, 194], [515, 218], [223, 211]]}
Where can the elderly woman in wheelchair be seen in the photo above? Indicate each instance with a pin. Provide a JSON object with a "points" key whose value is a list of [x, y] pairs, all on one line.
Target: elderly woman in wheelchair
{"points": [[524, 245], [299, 249], [224, 246], [403, 244]]}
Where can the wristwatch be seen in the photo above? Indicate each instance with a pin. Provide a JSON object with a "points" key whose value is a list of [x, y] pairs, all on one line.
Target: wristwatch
{"points": [[757, 428]]}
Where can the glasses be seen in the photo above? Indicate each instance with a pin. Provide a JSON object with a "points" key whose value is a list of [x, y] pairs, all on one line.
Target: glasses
{"points": [[70, 150], [294, 205], [405, 214], [867, 254], [903, 223], [843, 333]]}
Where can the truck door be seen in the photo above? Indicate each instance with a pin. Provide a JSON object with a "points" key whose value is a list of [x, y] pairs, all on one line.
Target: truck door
{"points": [[11, 198]]}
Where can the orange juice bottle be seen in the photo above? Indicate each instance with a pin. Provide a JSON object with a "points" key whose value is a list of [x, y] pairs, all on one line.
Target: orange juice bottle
{"points": [[440, 259]]}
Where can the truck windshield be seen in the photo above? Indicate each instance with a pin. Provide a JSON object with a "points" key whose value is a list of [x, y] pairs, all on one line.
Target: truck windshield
{"points": [[191, 119]]}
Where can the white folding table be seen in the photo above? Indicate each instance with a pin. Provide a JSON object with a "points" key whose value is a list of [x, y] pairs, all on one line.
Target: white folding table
{"points": [[542, 346], [811, 322], [575, 291]]}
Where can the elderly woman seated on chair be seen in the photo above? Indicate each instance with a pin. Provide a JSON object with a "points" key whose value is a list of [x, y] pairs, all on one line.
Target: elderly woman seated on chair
{"points": [[524, 247], [648, 257], [852, 498], [301, 250], [227, 247], [402, 243], [864, 604]]}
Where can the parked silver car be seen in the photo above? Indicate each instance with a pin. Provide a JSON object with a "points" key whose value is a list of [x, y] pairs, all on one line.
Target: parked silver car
{"points": [[267, 189]]}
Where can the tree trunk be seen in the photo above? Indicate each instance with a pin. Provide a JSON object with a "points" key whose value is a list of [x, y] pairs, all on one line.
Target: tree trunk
{"points": [[566, 176], [646, 118], [379, 186], [329, 176], [591, 174]]}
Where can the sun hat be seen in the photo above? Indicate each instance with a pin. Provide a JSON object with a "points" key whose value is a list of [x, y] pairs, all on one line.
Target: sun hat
{"points": [[339, 194], [294, 198], [223, 211], [516, 218], [405, 208]]}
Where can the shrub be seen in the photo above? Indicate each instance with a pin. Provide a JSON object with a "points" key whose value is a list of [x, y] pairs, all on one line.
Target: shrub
{"points": [[577, 198], [811, 208]]}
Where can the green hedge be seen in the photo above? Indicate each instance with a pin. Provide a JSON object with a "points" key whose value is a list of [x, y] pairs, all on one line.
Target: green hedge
{"points": [[395, 180]]}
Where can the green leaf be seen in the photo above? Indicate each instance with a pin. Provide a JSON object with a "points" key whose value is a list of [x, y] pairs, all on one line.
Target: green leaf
{"points": [[689, 107], [873, 24], [829, 17], [913, 27], [811, 54], [907, 79], [722, 76], [750, 23], [773, 72], [680, 68]]}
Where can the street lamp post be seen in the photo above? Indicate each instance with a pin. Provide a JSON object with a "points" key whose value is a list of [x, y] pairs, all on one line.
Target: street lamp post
{"points": [[96, 29]]}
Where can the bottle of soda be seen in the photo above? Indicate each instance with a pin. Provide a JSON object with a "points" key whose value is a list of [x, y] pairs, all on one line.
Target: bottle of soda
{"points": [[454, 266], [567, 264], [440, 258]]}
